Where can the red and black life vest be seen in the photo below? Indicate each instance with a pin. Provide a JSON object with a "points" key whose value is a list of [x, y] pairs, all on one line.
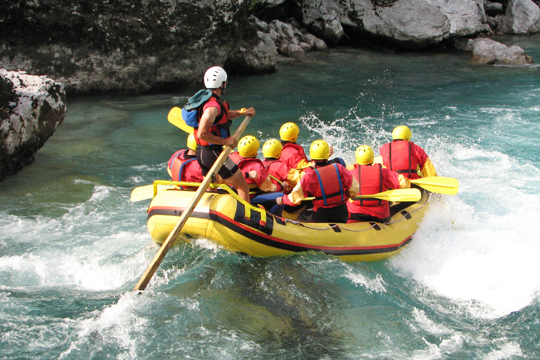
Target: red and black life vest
{"points": [[268, 163], [399, 163], [239, 160], [331, 187], [370, 181], [178, 163], [221, 125]]}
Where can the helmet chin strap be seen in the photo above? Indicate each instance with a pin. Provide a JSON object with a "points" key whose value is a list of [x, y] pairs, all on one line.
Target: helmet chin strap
{"points": [[222, 87]]}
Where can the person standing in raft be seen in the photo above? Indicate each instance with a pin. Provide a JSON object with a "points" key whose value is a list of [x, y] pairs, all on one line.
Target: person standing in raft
{"points": [[212, 132], [183, 165], [405, 157], [372, 179], [331, 185]]}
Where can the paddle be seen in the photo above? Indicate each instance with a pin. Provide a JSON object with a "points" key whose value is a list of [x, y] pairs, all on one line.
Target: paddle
{"points": [[398, 195], [158, 258], [277, 180], [175, 118], [438, 184], [147, 192]]}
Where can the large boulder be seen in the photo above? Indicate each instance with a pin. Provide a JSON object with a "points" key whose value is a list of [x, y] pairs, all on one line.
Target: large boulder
{"points": [[31, 108], [487, 51], [128, 46], [411, 23], [522, 17]]}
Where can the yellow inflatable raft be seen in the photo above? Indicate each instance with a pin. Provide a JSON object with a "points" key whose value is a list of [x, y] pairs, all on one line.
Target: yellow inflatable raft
{"points": [[240, 227]]}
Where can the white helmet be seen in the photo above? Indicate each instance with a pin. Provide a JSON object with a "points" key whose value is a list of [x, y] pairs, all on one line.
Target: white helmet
{"points": [[214, 77]]}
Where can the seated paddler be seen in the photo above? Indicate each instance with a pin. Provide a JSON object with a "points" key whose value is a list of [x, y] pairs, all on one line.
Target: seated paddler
{"points": [[280, 173], [183, 165], [262, 189], [372, 179], [253, 169], [330, 184], [293, 154], [405, 157]]}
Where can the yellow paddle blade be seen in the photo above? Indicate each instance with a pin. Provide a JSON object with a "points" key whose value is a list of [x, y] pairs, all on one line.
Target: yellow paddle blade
{"points": [[147, 192], [438, 184], [398, 195], [175, 118]]}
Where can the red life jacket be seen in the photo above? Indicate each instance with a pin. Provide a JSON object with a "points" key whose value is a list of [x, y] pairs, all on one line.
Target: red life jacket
{"points": [[178, 164], [370, 180], [292, 158], [278, 172], [331, 191], [248, 164], [400, 159], [221, 125], [268, 163], [239, 159]]}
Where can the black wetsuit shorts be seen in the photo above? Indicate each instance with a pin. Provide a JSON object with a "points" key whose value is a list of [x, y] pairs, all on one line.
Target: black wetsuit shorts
{"points": [[207, 156]]}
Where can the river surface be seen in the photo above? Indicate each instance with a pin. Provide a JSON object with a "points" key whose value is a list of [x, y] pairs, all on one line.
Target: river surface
{"points": [[73, 246]]}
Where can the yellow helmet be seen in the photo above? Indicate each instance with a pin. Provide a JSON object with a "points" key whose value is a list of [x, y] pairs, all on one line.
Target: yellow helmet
{"points": [[364, 155], [319, 150], [272, 149], [401, 132], [248, 146], [289, 132], [191, 143]]}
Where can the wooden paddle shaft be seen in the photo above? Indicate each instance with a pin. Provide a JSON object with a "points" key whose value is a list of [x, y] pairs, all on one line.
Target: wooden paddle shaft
{"points": [[160, 255]]}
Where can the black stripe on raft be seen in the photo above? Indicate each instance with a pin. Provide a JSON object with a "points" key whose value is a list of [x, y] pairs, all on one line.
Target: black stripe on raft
{"points": [[267, 240]]}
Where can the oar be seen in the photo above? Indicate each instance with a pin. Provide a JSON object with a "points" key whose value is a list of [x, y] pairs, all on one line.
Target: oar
{"points": [[147, 192], [158, 258], [399, 195], [278, 181], [175, 118], [438, 184]]}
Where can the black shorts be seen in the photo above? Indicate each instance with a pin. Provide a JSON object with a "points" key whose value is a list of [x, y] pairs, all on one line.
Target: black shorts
{"points": [[207, 156]]}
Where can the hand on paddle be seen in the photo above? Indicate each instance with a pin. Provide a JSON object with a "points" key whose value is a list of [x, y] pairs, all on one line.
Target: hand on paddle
{"points": [[230, 141], [243, 111]]}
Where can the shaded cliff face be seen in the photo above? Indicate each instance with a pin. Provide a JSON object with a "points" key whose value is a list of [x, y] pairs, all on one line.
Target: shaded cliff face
{"points": [[138, 46], [125, 46]]}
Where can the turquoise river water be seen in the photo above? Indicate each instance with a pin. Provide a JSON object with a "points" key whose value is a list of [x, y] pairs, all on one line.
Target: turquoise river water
{"points": [[73, 246]]}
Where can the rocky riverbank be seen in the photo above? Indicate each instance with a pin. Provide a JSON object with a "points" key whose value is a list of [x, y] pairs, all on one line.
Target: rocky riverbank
{"points": [[133, 47], [31, 109]]}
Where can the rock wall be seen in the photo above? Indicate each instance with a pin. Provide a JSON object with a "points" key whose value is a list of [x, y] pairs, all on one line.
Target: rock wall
{"points": [[31, 108], [138, 46], [126, 46]]}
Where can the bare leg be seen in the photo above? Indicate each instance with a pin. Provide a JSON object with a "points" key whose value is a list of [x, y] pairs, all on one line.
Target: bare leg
{"points": [[239, 183]]}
